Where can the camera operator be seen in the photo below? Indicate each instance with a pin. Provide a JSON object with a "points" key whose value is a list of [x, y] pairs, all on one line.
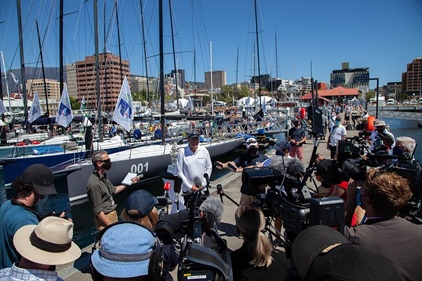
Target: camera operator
{"points": [[248, 159], [256, 259], [383, 195], [405, 147], [380, 136]]}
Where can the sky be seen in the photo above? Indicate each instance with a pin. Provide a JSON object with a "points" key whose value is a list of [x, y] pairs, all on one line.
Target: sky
{"points": [[296, 38]]}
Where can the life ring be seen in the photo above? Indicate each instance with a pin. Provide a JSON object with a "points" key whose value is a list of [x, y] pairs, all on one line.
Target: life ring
{"points": [[21, 143], [370, 123], [35, 142]]}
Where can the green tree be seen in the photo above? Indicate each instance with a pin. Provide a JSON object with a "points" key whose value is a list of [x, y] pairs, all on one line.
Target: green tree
{"points": [[74, 103], [370, 95]]}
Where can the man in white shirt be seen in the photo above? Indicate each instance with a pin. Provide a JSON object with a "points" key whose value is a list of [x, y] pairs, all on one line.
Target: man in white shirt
{"points": [[192, 163], [337, 133]]}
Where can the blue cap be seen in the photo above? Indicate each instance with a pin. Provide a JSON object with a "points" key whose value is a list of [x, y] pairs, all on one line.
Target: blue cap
{"points": [[122, 256], [141, 201]]}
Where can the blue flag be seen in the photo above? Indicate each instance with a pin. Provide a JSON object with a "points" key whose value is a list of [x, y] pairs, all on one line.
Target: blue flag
{"points": [[35, 111]]}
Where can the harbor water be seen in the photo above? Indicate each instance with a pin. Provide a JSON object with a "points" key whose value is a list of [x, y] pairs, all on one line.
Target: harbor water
{"points": [[82, 216]]}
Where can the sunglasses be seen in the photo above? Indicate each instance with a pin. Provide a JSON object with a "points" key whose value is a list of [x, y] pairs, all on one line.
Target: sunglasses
{"points": [[250, 141], [105, 161]]}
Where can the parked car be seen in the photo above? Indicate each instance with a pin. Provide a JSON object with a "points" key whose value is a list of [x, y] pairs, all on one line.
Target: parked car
{"points": [[391, 102]]}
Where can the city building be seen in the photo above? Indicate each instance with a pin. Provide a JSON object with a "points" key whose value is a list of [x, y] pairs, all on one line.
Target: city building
{"points": [[111, 80], [72, 82], [218, 79], [37, 85], [412, 78], [139, 83], [349, 77]]}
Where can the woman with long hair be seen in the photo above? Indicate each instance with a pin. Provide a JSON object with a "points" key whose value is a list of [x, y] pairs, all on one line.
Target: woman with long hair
{"points": [[256, 259]]}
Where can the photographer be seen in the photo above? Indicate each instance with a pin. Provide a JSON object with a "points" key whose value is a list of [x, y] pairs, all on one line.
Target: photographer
{"points": [[248, 159], [383, 195], [256, 259]]}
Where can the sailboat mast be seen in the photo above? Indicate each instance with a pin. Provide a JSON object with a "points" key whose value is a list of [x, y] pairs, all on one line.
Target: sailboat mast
{"points": [[237, 69], [174, 54], [61, 78], [118, 40], [161, 35], [97, 72], [107, 109], [5, 80], [212, 90], [42, 68], [145, 49], [276, 58], [22, 58], [257, 53]]}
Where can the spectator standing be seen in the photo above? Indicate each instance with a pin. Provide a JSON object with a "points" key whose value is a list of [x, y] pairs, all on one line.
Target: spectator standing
{"points": [[383, 194], [297, 136], [324, 124], [248, 159], [192, 163], [35, 182], [337, 133], [381, 136], [42, 247], [101, 191]]}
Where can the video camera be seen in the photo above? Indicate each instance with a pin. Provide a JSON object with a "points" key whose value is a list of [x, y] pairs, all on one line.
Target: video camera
{"points": [[289, 197], [203, 253]]}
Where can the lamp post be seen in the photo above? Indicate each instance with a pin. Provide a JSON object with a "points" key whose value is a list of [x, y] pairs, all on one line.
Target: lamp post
{"points": [[376, 108]]}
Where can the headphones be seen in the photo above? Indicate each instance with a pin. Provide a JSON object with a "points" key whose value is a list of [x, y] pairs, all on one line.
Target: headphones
{"points": [[155, 266]]}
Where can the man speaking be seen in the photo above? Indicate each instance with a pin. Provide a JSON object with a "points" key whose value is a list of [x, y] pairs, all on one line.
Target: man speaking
{"points": [[192, 163]]}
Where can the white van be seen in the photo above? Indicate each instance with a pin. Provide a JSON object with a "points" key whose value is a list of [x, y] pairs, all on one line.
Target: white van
{"points": [[391, 102]]}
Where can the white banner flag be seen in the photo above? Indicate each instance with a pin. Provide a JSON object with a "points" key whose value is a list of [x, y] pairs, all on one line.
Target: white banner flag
{"points": [[64, 113], [123, 114], [35, 111]]}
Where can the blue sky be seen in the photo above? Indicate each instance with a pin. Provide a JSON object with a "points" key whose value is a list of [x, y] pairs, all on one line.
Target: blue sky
{"points": [[384, 35]]}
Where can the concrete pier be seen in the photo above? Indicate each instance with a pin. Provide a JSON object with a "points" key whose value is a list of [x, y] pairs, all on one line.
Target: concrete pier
{"points": [[79, 270]]}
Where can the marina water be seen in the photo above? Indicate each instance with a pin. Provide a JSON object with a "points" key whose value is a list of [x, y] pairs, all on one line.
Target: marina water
{"points": [[82, 215]]}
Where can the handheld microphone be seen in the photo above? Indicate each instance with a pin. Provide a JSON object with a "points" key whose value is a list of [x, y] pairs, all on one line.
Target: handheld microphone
{"points": [[197, 182], [220, 191], [206, 176]]}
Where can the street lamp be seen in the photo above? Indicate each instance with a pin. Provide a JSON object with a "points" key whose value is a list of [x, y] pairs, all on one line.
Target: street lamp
{"points": [[376, 108]]}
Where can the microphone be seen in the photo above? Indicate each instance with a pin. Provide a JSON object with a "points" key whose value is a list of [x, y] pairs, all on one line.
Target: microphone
{"points": [[220, 191], [197, 182], [206, 176]]}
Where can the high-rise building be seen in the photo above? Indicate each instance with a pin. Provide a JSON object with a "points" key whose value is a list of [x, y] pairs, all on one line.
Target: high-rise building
{"points": [[110, 80], [218, 79], [72, 82], [349, 77], [412, 78], [37, 85]]}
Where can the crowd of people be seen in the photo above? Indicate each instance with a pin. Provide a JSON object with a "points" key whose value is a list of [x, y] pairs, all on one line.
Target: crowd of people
{"points": [[139, 245]]}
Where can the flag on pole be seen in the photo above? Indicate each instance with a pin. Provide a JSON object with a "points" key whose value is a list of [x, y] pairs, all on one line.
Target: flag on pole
{"points": [[264, 104], [189, 105], [15, 79], [64, 114], [272, 103], [123, 113], [35, 111], [83, 105]]}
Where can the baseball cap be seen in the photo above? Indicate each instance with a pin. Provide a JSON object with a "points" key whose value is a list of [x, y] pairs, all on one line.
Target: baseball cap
{"points": [[250, 142], [41, 178], [379, 123], [48, 243], [193, 134], [141, 201], [126, 249], [322, 253]]}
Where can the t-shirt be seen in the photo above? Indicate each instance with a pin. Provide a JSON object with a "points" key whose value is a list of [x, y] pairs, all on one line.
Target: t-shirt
{"points": [[296, 134], [12, 217]]}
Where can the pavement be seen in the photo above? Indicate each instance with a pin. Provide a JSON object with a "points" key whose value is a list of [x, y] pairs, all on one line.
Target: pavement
{"points": [[79, 270]]}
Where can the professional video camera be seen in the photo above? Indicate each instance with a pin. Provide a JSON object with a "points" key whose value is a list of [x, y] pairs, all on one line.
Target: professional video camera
{"points": [[290, 197], [203, 253], [352, 163]]}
